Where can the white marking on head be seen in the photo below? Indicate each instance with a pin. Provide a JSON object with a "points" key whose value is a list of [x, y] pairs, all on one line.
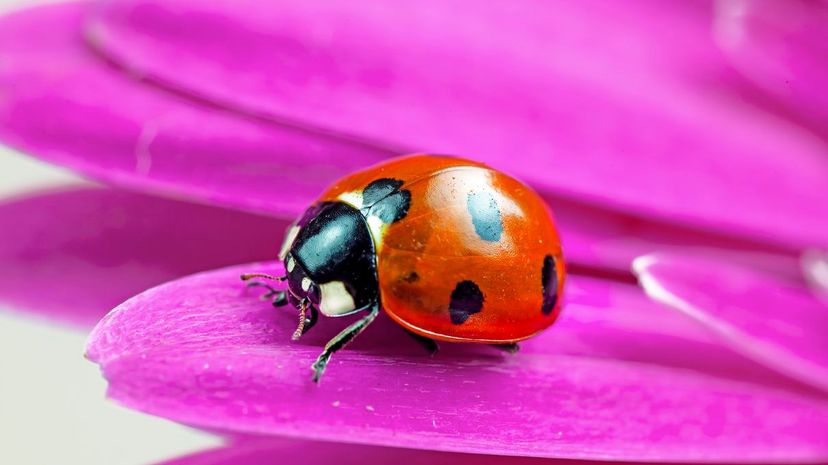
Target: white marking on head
{"points": [[335, 299], [291, 264], [375, 225], [306, 283], [289, 238]]}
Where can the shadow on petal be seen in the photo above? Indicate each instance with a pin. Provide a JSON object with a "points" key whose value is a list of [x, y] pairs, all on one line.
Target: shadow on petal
{"points": [[775, 322], [206, 352], [603, 242], [74, 254], [256, 451]]}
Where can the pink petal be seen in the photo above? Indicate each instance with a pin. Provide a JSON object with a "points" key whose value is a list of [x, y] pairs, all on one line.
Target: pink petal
{"points": [[159, 142], [777, 323], [622, 105], [602, 241], [58, 99], [204, 352], [815, 269], [782, 46], [256, 451], [74, 254]]}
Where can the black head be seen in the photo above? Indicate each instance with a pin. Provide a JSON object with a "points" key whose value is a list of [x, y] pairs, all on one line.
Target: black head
{"points": [[330, 260]]}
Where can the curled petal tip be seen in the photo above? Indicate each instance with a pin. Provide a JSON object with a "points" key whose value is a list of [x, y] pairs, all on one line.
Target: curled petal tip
{"points": [[776, 322], [815, 269]]}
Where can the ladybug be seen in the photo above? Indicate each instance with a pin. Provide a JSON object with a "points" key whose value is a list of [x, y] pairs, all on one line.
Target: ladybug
{"points": [[450, 249]]}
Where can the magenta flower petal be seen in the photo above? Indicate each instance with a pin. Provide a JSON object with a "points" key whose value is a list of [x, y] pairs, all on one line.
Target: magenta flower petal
{"points": [[60, 101], [777, 323], [206, 353], [815, 268], [270, 451], [782, 46], [155, 141], [74, 254], [601, 240], [531, 89]]}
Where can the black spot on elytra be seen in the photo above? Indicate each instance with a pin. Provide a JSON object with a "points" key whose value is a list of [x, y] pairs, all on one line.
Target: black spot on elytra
{"points": [[385, 199], [549, 280], [411, 277], [466, 300], [485, 215], [392, 208], [380, 189]]}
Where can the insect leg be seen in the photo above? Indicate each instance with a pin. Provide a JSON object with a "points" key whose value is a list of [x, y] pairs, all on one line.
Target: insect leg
{"points": [[270, 290], [279, 297], [341, 340], [428, 344], [511, 348], [311, 320]]}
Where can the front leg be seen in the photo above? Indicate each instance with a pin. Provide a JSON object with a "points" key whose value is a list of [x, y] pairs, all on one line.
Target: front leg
{"points": [[278, 298], [341, 340]]}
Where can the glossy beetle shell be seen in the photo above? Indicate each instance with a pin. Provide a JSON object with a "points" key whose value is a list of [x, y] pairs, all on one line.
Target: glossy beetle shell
{"points": [[476, 256]]}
